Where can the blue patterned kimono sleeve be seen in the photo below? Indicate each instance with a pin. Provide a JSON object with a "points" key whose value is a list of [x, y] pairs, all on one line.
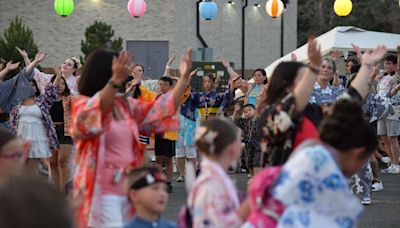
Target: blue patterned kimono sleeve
{"points": [[224, 99], [188, 109]]}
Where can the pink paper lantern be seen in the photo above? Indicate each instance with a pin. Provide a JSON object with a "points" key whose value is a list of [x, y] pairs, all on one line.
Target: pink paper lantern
{"points": [[136, 8]]}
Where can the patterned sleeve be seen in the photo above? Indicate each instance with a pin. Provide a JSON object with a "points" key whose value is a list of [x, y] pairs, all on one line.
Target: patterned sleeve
{"points": [[188, 108], [157, 116], [214, 208], [224, 99], [42, 79], [50, 95], [86, 117]]}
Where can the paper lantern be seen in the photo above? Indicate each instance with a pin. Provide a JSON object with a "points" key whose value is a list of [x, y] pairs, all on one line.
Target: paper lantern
{"points": [[274, 8], [343, 7], [208, 9], [136, 8], [64, 8]]}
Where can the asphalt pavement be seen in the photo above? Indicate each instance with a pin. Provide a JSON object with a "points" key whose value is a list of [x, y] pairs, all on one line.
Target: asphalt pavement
{"points": [[384, 212]]}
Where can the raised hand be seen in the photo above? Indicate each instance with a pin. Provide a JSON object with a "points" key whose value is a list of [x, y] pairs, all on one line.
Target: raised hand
{"points": [[335, 55], [314, 53], [171, 60], [293, 57], [22, 53], [56, 70], [373, 57], [225, 62], [185, 66], [121, 67], [357, 50], [40, 56], [12, 66], [237, 107]]}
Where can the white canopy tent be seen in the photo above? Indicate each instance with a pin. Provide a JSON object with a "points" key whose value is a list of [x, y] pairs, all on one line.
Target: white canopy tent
{"points": [[340, 38]]}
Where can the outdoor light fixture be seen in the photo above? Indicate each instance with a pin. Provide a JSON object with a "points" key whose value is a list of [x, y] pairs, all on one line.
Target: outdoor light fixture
{"points": [[343, 7], [274, 8], [257, 5], [136, 8], [231, 2], [208, 9], [64, 8]]}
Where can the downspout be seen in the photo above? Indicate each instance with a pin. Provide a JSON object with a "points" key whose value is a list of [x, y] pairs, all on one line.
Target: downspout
{"points": [[198, 25], [243, 33]]}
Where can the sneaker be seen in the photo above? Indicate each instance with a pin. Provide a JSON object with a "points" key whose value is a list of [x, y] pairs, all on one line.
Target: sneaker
{"points": [[169, 187], [377, 186], [393, 169], [180, 179], [366, 201], [385, 160]]}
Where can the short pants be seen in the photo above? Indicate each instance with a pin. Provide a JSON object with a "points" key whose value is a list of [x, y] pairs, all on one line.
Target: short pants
{"points": [[164, 147], [388, 127]]}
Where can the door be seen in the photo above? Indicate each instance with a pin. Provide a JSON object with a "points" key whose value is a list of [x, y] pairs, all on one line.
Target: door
{"points": [[152, 54]]}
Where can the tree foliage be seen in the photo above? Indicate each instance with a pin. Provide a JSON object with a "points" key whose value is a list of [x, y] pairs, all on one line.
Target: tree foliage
{"points": [[17, 35], [100, 35], [317, 16]]}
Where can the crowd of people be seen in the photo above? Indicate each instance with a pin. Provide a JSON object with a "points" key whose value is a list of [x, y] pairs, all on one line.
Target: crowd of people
{"points": [[309, 138]]}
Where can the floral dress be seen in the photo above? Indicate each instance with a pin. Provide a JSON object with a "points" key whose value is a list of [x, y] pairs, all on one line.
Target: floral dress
{"points": [[87, 129], [214, 199], [315, 192], [44, 102], [251, 138]]}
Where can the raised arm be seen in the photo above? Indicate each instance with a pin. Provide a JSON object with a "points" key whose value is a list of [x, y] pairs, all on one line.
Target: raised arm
{"points": [[185, 77], [305, 86], [24, 55], [369, 59], [167, 71], [335, 55], [9, 67], [121, 67], [231, 72], [40, 56]]}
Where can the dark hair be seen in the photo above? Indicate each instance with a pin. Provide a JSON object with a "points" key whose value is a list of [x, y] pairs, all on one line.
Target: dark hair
{"points": [[265, 81], [167, 79], [36, 86], [354, 61], [282, 78], [345, 128], [211, 76], [27, 201], [66, 90], [5, 137], [75, 66], [261, 70], [96, 72], [249, 105], [136, 174], [391, 58], [330, 60], [226, 131]]}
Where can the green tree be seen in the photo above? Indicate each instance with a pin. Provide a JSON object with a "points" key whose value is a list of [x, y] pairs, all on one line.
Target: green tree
{"points": [[100, 35], [17, 35]]}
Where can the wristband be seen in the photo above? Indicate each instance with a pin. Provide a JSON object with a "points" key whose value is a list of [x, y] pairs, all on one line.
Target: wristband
{"points": [[114, 85]]}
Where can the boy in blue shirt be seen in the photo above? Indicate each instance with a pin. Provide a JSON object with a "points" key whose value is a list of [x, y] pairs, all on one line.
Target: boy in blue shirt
{"points": [[148, 194]]}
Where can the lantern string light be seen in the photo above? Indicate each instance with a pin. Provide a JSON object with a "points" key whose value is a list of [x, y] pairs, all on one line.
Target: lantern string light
{"points": [[64, 8], [208, 9], [342, 8], [137, 8], [274, 8]]}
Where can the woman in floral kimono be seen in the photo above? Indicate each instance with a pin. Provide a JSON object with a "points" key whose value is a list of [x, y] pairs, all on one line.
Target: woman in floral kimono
{"points": [[106, 127], [313, 184]]}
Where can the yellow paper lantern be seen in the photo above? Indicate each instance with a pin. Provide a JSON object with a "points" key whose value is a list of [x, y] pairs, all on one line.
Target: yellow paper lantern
{"points": [[343, 7], [274, 8]]}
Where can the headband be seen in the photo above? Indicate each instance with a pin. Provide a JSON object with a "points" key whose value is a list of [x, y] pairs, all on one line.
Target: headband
{"points": [[148, 179]]}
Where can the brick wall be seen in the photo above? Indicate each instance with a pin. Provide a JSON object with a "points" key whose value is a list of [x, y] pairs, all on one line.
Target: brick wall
{"points": [[171, 20]]}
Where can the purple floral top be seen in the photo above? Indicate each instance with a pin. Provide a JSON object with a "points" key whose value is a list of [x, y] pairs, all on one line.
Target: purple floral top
{"points": [[44, 102]]}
